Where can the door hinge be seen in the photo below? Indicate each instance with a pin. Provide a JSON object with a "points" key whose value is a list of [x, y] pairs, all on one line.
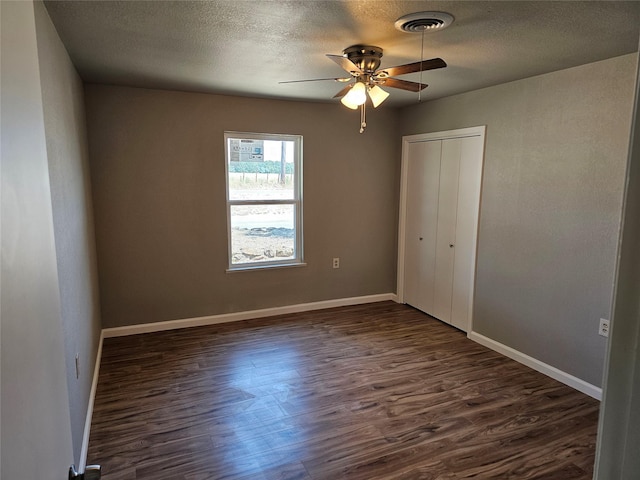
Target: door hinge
{"points": [[91, 472]]}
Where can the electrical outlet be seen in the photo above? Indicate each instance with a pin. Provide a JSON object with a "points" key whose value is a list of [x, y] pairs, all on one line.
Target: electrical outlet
{"points": [[336, 262], [604, 327], [77, 366]]}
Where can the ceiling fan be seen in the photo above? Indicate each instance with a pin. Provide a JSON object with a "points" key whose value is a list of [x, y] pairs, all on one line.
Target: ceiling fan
{"points": [[362, 62]]}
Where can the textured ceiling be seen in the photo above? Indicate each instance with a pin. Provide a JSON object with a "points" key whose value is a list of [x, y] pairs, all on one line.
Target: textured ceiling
{"points": [[245, 47]]}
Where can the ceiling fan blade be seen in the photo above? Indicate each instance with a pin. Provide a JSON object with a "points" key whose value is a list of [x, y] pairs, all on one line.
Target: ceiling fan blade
{"points": [[346, 64], [344, 91], [404, 85], [430, 64], [342, 80]]}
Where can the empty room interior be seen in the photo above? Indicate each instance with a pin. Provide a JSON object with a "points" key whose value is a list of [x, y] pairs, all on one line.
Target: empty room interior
{"points": [[361, 239]]}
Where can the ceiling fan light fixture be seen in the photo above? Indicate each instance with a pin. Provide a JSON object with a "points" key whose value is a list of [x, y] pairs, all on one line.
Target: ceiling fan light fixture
{"points": [[377, 95], [356, 96], [345, 101]]}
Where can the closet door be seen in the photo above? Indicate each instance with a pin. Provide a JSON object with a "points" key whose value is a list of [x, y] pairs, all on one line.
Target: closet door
{"points": [[422, 188], [446, 228], [464, 267], [441, 198]]}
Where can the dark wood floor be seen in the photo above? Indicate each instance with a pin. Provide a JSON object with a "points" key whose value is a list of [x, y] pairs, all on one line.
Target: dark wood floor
{"points": [[379, 391]]}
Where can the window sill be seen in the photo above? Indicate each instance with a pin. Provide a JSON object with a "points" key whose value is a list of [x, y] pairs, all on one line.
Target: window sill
{"points": [[247, 268]]}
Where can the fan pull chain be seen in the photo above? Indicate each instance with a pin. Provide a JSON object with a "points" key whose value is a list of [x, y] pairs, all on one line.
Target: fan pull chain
{"points": [[363, 117]]}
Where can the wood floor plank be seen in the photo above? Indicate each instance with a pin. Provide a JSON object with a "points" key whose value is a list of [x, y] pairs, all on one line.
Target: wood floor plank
{"points": [[377, 391]]}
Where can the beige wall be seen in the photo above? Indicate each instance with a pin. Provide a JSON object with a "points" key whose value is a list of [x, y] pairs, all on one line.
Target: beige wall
{"points": [[35, 437], [67, 152], [157, 168], [556, 149]]}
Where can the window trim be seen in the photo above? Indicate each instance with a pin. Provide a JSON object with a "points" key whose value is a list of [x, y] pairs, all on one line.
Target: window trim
{"points": [[296, 201]]}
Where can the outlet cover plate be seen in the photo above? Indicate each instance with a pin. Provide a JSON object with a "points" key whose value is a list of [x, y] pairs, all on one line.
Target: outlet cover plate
{"points": [[603, 329]]}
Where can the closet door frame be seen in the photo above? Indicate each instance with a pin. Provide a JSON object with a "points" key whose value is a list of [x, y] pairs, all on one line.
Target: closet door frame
{"points": [[478, 131]]}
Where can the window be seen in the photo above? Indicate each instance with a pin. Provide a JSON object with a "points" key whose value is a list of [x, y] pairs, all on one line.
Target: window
{"points": [[264, 199]]}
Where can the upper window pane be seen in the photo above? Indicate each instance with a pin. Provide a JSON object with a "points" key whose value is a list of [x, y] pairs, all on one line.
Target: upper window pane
{"points": [[261, 169]]}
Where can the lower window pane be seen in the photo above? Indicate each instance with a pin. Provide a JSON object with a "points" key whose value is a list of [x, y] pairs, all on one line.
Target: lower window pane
{"points": [[262, 233]]}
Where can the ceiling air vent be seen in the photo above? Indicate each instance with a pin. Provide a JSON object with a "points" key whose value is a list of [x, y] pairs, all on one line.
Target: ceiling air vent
{"points": [[424, 22]]}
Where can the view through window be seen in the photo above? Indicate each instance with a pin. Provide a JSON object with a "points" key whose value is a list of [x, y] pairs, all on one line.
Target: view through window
{"points": [[264, 199]]}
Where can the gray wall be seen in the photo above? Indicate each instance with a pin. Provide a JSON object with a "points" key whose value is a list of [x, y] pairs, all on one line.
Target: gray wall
{"points": [[157, 169], [63, 100], [556, 149], [36, 437], [619, 433]]}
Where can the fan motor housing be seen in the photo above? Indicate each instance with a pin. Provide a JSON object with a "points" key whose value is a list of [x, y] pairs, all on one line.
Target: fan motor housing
{"points": [[366, 57]]}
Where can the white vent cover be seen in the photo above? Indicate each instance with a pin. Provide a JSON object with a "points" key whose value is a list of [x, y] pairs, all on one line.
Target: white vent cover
{"points": [[424, 22]]}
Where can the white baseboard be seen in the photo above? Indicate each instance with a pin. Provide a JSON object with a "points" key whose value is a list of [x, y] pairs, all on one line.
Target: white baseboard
{"points": [[553, 372], [247, 315], [92, 397]]}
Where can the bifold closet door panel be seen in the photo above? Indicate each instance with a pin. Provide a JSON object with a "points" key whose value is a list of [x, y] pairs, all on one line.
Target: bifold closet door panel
{"points": [[423, 175], [446, 226], [469, 184]]}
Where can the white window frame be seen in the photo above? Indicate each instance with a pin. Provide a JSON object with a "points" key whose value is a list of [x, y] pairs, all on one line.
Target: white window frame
{"points": [[298, 259]]}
